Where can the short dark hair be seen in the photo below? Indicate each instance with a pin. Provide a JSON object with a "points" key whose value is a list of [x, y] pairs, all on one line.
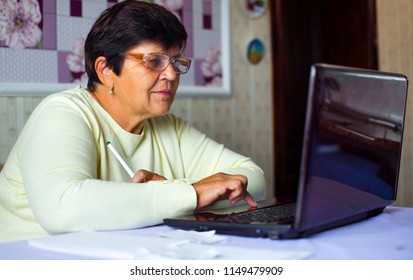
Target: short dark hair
{"points": [[125, 25]]}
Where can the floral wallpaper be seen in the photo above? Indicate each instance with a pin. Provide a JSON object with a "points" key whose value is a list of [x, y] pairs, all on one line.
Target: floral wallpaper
{"points": [[41, 41], [19, 22]]}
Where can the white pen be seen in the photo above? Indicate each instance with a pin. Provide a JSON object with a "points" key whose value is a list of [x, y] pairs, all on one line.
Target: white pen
{"points": [[121, 160]]}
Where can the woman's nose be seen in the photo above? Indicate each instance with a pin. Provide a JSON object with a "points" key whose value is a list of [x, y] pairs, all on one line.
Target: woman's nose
{"points": [[169, 72]]}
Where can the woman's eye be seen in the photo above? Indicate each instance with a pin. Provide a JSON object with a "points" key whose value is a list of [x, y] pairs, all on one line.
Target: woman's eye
{"points": [[155, 62]]}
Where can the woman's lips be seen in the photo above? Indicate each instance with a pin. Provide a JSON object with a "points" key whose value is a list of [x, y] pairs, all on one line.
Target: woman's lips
{"points": [[163, 92]]}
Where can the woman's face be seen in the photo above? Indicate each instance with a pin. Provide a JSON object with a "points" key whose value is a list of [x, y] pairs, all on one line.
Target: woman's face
{"points": [[142, 91]]}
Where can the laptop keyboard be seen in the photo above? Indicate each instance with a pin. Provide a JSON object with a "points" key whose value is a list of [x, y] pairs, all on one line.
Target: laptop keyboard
{"points": [[276, 213]]}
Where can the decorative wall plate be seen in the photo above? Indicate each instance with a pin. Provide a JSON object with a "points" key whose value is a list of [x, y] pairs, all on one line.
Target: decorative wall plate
{"points": [[255, 51], [255, 8]]}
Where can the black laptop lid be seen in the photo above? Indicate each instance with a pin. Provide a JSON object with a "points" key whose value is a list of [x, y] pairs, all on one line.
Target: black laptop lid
{"points": [[352, 145]]}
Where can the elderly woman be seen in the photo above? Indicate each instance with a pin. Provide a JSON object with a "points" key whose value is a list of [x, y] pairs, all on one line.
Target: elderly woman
{"points": [[61, 175]]}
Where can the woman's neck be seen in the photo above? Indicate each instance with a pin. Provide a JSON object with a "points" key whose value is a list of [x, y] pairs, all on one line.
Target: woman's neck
{"points": [[109, 103]]}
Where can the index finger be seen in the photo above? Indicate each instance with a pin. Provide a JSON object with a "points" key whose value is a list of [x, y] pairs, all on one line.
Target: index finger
{"points": [[250, 200]]}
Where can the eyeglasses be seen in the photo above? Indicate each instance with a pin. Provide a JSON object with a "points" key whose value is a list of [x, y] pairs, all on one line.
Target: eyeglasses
{"points": [[159, 62]]}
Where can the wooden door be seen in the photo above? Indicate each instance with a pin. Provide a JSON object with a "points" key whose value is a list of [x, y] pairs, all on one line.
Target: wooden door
{"points": [[304, 32]]}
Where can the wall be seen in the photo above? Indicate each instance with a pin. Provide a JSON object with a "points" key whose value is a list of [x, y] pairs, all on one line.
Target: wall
{"points": [[395, 48], [243, 122]]}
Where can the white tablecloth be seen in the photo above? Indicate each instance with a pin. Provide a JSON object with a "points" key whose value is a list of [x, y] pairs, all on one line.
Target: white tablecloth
{"points": [[386, 236]]}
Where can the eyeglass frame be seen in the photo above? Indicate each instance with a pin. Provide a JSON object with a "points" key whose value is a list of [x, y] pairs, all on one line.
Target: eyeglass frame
{"points": [[145, 57]]}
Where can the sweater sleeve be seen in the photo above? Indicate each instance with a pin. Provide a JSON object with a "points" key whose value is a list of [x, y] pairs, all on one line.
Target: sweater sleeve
{"points": [[203, 157], [59, 162]]}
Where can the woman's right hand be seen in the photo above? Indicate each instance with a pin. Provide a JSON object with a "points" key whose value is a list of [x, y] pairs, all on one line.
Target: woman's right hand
{"points": [[142, 176], [222, 186]]}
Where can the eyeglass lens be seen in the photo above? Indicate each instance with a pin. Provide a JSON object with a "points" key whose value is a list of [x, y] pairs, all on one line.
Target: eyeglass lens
{"points": [[160, 62]]}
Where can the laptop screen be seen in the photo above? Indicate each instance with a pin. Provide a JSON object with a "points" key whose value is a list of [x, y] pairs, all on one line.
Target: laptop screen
{"points": [[352, 145]]}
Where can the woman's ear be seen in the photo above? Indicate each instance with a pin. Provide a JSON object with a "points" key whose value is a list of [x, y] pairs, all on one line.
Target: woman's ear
{"points": [[104, 72]]}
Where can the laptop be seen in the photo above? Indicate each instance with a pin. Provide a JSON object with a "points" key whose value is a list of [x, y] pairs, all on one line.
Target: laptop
{"points": [[349, 164]]}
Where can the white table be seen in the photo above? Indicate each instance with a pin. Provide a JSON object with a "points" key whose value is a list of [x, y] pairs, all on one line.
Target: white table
{"points": [[386, 236]]}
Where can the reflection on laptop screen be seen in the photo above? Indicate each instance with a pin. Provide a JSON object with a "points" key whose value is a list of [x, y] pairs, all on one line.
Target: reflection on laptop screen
{"points": [[356, 140]]}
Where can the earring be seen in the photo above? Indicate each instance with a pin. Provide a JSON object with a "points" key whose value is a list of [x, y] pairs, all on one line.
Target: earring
{"points": [[110, 91]]}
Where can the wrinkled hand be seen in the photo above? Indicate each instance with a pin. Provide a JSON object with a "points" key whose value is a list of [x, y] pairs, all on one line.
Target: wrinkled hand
{"points": [[222, 186], [142, 176]]}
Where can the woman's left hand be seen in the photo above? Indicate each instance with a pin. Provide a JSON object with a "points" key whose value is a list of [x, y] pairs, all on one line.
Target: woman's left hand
{"points": [[142, 176]]}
